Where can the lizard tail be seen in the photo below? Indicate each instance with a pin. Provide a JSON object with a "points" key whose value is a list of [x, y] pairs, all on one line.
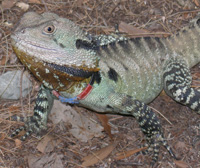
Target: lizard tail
{"points": [[186, 43]]}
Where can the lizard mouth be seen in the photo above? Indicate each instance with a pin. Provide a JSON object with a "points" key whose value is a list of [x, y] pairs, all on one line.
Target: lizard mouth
{"points": [[17, 41]]}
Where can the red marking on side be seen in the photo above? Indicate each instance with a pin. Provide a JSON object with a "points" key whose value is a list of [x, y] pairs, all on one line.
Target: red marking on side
{"points": [[85, 93]]}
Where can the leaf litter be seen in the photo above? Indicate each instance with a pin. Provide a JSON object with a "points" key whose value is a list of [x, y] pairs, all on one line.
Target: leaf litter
{"points": [[97, 16]]}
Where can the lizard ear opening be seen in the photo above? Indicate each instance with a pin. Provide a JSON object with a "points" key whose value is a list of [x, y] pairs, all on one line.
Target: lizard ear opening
{"points": [[50, 29]]}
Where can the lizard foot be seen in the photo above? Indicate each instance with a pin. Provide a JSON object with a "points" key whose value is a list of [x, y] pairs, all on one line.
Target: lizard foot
{"points": [[31, 125], [154, 143]]}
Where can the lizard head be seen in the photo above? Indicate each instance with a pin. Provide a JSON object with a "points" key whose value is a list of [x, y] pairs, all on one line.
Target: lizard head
{"points": [[50, 46]]}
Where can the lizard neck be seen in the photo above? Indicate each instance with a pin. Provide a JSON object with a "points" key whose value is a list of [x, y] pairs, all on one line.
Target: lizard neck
{"points": [[77, 87], [82, 88]]}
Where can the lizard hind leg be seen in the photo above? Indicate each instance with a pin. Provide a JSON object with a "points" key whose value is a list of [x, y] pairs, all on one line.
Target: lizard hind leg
{"points": [[148, 121], [151, 127], [177, 84]]}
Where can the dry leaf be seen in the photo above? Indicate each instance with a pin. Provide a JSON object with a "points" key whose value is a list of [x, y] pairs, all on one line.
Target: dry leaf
{"points": [[7, 4], [82, 128], [18, 143], [136, 32], [181, 164], [45, 161], [35, 1], [104, 120], [3, 61], [126, 154], [22, 5], [13, 109], [43, 143], [131, 30], [162, 93], [196, 2], [180, 145], [95, 157], [2, 137]]}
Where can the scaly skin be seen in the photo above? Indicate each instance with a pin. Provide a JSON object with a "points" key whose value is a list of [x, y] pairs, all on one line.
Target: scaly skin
{"points": [[129, 73]]}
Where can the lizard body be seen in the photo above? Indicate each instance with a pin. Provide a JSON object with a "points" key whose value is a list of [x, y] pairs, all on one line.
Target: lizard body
{"points": [[127, 74]]}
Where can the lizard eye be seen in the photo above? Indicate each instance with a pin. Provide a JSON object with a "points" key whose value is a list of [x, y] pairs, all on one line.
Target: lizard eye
{"points": [[198, 22], [49, 29]]}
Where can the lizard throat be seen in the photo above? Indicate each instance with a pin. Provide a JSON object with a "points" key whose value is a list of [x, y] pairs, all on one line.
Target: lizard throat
{"points": [[71, 71], [53, 76]]}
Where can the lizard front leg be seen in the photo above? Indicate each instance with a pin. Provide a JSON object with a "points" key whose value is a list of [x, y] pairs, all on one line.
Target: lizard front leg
{"points": [[37, 122], [147, 120]]}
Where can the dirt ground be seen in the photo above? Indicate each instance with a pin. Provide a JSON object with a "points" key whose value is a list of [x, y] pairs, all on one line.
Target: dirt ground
{"points": [[160, 18]]}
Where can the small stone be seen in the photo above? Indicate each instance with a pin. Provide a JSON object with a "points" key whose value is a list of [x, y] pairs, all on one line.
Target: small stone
{"points": [[10, 85]]}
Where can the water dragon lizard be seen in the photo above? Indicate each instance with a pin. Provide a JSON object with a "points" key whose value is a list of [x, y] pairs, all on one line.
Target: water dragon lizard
{"points": [[106, 73]]}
